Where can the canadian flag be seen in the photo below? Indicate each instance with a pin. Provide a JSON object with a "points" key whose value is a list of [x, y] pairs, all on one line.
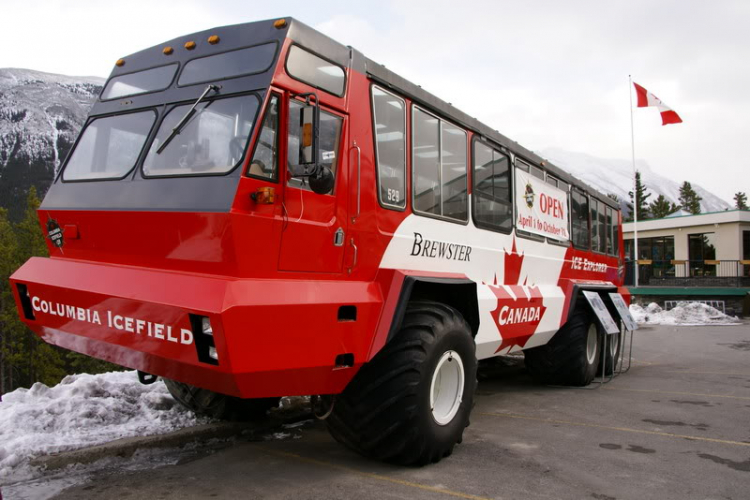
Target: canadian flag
{"points": [[646, 98]]}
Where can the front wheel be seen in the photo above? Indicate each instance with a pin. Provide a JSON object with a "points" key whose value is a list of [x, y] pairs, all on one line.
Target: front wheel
{"points": [[214, 405], [411, 403]]}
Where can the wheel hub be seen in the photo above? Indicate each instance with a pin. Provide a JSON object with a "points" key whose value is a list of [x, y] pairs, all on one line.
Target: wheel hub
{"points": [[592, 341], [447, 388]]}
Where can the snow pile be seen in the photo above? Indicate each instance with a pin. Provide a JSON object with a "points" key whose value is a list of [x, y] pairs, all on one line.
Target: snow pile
{"points": [[685, 314], [83, 410]]}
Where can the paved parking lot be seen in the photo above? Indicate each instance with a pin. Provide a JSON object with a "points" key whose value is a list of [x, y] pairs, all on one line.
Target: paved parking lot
{"points": [[676, 426]]}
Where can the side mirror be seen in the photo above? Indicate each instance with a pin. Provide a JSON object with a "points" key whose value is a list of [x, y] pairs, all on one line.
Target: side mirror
{"points": [[322, 182], [308, 144]]}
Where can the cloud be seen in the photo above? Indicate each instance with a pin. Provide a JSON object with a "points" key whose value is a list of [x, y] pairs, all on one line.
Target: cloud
{"points": [[546, 73]]}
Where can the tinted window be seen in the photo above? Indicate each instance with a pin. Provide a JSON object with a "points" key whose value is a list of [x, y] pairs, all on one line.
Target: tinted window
{"points": [[616, 232], [439, 163], [426, 162], [580, 219], [536, 172], [390, 144], [266, 157], [149, 80], [610, 239], [603, 233], [492, 203], [328, 141], [229, 64], [109, 147], [315, 70], [453, 171], [594, 225], [213, 141]]}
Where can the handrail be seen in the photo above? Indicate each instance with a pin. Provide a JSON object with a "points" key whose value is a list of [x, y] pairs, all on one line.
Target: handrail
{"points": [[359, 178]]}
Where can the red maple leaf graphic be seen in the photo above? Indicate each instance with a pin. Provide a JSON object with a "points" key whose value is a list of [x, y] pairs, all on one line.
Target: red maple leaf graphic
{"points": [[517, 318], [513, 262]]}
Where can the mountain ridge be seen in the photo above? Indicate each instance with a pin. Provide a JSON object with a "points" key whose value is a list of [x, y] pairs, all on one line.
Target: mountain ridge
{"points": [[42, 113]]}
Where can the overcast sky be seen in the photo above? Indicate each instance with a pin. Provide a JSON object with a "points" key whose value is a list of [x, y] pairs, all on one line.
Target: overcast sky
{"points": [[544, 73]]}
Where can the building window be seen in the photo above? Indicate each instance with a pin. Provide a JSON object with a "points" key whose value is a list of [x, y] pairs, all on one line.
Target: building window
{"points": [[702, 248], [660, 251]]}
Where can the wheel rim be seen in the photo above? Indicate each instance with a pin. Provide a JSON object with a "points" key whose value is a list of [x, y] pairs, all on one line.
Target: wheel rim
{"points": [[614, 344], [447, 389], [591, 344]]}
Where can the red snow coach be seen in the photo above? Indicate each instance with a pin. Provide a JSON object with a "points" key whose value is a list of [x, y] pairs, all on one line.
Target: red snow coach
{"points": [[258, 211]]}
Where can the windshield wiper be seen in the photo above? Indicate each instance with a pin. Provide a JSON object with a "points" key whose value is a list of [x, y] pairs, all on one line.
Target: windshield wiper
{"points": [[188, 115]]}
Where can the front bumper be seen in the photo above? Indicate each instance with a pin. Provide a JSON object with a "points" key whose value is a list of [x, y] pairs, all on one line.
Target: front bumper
{"points": [[272, 337]]}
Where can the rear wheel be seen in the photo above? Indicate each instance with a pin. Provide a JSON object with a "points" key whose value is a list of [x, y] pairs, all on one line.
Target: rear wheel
{"points": [[571, 357], [611, 353], [411, 403], [212, 404]]}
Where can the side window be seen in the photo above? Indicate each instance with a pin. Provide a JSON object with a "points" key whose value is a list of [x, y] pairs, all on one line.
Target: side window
{"points": [[265, 162], [610, 244], [580, 219], [616, 233], [594, 225], [538, 173], [439, 163], [492, 202], [602, 228], [453, 173], [316, 71], [328, 144], [389, 113]]}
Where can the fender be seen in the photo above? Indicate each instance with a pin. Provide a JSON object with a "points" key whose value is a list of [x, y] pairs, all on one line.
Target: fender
{"points": [[460, 293]]}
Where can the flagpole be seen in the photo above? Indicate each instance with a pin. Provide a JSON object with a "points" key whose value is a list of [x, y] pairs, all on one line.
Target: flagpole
{"points": [[635, 184]]}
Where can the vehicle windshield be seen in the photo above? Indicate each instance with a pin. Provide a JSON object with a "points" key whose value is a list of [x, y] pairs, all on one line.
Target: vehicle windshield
{"points": [[109, 147], [212, 141]]}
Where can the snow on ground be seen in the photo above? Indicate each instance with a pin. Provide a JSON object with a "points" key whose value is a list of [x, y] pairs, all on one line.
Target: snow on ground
{"points": [[82, 410], [685, 314]]}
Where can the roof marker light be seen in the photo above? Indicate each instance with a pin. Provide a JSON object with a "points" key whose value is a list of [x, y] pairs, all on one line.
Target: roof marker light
{"points": [[120, 62], [168, 51], [214, 39], [190, 45], [279, 23]]}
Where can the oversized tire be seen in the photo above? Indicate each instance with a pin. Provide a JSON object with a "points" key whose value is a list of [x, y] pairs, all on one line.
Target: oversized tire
{"points": [[572, 356], [411, 403], [220, 406]]}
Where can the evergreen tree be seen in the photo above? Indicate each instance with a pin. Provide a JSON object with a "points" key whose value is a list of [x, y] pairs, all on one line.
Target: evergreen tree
{"points": [[689, 199], [9, 324], [661, 207], [614, 197], [740, 201], [24, 357], [641, 200]]}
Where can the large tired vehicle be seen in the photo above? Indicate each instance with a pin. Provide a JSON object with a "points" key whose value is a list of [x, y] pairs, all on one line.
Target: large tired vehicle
{"points": [[258, 211]]}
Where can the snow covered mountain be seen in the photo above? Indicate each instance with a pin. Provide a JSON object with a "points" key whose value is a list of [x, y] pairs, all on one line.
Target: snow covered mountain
{"points": [[40, 116], [616, 177]]}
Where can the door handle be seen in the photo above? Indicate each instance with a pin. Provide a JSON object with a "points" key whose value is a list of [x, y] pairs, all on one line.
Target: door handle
{"points": [[354, 258]]}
